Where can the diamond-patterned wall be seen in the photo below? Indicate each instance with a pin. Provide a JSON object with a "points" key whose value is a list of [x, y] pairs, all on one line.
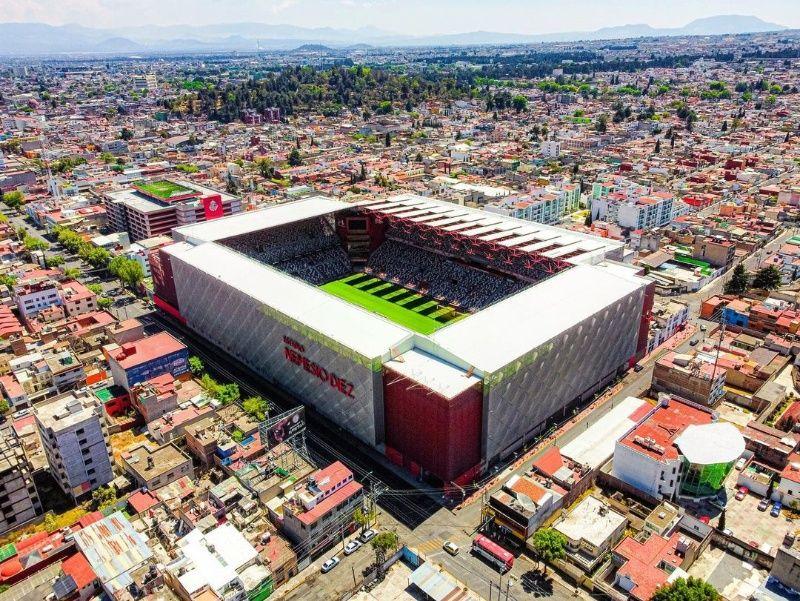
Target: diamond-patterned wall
{"points": [[519, 398], [239, 325]]}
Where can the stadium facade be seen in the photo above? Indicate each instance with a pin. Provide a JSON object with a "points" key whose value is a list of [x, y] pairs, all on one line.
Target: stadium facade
{"points": [[546, 317]]}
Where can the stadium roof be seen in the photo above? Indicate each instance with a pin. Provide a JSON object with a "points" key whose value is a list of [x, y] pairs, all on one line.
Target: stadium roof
{"points": [[433, 373], [506, 231], [367, 333], [255, 221], [491, 339]]}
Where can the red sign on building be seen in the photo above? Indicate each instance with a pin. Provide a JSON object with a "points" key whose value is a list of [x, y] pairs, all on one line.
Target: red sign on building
{"points": [[213, 206]]}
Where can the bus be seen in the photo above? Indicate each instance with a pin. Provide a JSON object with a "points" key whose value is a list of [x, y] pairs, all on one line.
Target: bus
{"points": [[493, 553]]}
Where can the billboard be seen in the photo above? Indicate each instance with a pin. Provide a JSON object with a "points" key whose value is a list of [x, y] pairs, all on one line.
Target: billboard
{"points": [[283, 427], [212, 205]]}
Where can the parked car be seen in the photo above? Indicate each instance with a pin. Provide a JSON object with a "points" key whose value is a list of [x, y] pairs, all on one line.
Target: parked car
{"points": [[451, 548], [352, 547], [367, 535], [763, 504], [330, 564], [740, 463], [776, 509], [703, 327], [742, 493], [638, 367], [694, 342]]}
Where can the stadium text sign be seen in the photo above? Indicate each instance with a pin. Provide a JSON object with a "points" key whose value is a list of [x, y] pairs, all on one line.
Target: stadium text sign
{"points": [[295, 352]]}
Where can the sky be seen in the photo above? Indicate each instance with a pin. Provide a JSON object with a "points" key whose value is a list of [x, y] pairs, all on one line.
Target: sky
{"points": [[401, 16]]}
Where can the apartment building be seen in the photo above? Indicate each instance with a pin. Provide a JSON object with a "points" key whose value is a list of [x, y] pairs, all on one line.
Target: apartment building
{"points": [[715, 250], [630, 205], [19, 500], [154, 468], [322, 507], [542, 204], [136, 362], [75, 441]]}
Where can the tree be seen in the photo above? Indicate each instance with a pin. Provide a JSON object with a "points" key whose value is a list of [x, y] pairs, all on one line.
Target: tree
{"points": [[601, 124], [4, 406], [549, 545], [50, 523], [53, 261], [387, 140], [228, 393], [72, 272], [256, 407], [382, 544], [126, 134], [739, 282], [519, 103], [693, 589], [32, 244], [104, 302], [104, 497], [768, 278], [196, 365], [725, 125], [658, 146], [265, 167], [14, 199], [364, 518], [96, 288], [295, 160]]}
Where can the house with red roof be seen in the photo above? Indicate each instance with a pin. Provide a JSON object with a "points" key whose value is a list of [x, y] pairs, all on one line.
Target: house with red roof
{"points": [[645, 566], [141, 360], [329, 496], [83, 579]]}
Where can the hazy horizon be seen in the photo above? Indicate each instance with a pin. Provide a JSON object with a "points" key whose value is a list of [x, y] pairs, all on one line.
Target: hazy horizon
{"points": [[407, 17]]}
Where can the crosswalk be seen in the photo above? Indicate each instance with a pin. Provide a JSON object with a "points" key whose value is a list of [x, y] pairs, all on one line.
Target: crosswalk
{"points": [[430, 546]]}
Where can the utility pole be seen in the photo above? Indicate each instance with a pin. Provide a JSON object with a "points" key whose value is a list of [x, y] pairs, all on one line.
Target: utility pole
{"points": [[355, 583]]}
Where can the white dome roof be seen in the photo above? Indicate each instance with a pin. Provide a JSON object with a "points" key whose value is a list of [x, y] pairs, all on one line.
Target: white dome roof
{"points": [[708, 444]]}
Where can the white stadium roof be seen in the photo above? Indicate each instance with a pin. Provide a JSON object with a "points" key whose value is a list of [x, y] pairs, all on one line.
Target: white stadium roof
{"points": [[503, 332], [709, 444], [254, 221], [368, 334]]}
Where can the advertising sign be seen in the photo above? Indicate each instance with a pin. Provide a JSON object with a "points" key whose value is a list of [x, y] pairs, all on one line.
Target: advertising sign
{"points": [[212, 205], [282, 427]]}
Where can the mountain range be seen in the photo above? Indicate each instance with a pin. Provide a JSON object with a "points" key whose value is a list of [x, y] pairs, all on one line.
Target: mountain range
{"points": [[42, 39]]}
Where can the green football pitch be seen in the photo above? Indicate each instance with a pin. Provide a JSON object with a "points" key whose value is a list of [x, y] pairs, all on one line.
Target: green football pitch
{"points": [[403, 306]]}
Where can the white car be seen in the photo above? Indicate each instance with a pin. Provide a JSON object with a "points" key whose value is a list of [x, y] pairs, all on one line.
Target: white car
{"points": [[330, 564], [367, 535], [352, 547]]}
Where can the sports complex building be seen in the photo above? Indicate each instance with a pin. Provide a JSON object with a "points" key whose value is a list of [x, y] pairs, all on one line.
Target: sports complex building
{"points": [[446, 337]]}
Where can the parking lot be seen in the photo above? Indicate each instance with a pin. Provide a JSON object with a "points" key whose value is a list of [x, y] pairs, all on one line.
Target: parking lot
{"points": [[749, 524]]}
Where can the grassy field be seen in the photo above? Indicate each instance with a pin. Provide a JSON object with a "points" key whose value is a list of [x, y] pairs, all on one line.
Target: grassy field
{"points": [[402, 306], [163, 188]]}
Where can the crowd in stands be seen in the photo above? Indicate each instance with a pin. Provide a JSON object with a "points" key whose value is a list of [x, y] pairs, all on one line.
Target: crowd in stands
{"points": [[446, 280], [309, 250]]}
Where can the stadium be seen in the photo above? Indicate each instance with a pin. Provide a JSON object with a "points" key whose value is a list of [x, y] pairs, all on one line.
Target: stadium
{"points": [[445, 337]]}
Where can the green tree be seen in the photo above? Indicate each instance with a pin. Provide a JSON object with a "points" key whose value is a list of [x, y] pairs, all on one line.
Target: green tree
{"points": [[363, 518], [295, 160], [32, 243], [265, 167], [519, 103], [228, 393], [658, 146], [384, 108], [50, 523], [14, 199], [4, 406], [104, 497], [382, 544], [53, 261], [257, 407], [126, 134], [601, 124], [196, 365], [104, 302], [739, 282], [768, 278], [387, 141], [693, 589], [96, 288], [72, 272], [549, 545]]}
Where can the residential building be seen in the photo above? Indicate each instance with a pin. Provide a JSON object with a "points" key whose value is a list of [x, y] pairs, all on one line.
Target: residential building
{"points": [[75, 442], [329, 496], [154, 468], [591, 529], [667, 318], [19, 500], [647, 565], [693, 377], [520, 506], [716, 250], [141, 360]]}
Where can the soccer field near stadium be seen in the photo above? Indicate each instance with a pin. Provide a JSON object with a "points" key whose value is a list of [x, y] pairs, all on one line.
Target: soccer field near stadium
{"points": [[405, 307]]}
